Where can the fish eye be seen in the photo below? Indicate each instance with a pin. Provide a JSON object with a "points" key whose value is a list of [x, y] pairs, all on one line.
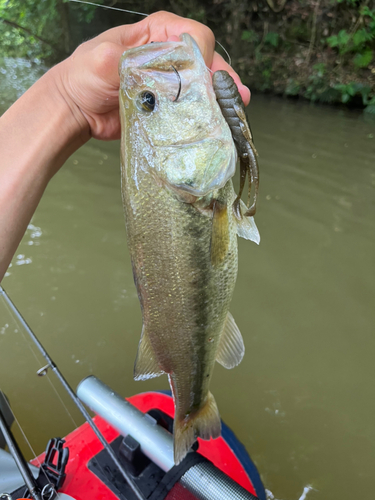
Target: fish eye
{"points": [[147, 101]]}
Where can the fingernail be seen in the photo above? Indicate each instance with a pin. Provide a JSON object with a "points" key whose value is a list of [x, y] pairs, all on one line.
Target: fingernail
{"points": [[245, 93]]}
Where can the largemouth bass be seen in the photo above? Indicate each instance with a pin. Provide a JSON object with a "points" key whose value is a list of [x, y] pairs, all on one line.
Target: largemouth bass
{"points": [[178, 157]]}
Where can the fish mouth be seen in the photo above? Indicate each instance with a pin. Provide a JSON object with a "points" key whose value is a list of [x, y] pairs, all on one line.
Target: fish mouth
{"points": [[189, 142], [197, 168], [201, 138], [214, 176]]}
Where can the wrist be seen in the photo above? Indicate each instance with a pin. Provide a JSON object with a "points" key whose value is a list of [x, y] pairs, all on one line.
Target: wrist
{"points": [[68, 128], [41, 130]]}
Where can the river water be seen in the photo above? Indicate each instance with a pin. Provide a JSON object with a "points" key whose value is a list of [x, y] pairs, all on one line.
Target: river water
{"points": [[303, 399]]}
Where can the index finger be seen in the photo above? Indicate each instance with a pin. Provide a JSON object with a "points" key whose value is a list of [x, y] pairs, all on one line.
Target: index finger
{"points": [[163, 26], [159, 27]]}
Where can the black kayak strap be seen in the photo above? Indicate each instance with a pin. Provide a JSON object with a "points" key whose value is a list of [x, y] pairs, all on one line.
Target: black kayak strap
{"points": [[175, 474]]}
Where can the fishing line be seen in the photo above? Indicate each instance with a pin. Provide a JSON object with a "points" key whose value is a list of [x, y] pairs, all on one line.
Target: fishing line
{"points": [[14, 416], [51, 383], [225, 50], [90, 446], [112, 8], [128, 478], [41, 372], [146, 15], [45, 369], [36, 458], [62, 402]]}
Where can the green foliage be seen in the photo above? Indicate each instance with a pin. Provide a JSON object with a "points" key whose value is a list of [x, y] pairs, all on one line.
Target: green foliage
{"points": [[341, 41], [25, 26], [346, 42], [83, 13], [298, 31], [249, 36], [320, 69], [360, 37], [371, 106], [272, 39], [39, 29], [305, 61], [350, 90], [366, 12], [363, 59], [199, 15], [265, 69], [274, 52], [359, 43], [347, 91], [293, 87], [316, 88]]}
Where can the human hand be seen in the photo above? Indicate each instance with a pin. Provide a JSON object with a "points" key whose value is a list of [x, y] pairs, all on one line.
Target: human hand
{"points": [[89, 82]]}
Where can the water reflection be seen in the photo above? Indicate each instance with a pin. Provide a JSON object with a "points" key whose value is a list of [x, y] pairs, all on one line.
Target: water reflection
{"points": [[306, 490], [30, 238]]}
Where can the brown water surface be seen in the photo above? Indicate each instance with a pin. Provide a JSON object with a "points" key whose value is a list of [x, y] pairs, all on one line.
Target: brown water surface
{"points": [[303, 399]]}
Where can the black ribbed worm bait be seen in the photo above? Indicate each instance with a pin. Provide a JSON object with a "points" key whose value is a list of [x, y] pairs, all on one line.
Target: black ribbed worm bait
{"points": [[233, 110]]}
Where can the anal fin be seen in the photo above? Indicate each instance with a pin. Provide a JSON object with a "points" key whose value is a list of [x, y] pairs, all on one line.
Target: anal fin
{"points": [[146, 365], [231, 348]]}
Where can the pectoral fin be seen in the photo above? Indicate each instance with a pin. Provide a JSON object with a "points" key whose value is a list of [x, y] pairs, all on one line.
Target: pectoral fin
{"points": [[220, 233], [231, 348], [146, 365], [246, 227]]}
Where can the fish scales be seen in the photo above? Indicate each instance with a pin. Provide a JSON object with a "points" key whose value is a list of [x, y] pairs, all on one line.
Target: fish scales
{"points": [[182, 234], [180, 292]]}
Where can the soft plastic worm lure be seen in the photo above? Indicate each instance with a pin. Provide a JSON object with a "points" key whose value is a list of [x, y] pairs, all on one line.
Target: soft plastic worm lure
{"points": [[233, 110]]}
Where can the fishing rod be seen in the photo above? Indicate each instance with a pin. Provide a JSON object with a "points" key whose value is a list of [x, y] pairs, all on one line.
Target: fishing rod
{"points": [[19, 459], [73, 396]]}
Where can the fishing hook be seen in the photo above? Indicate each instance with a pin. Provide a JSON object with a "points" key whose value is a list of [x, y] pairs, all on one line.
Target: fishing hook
{"points": [[179, 83]]}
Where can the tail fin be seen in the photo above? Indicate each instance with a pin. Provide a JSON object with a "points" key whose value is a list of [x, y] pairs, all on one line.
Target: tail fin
{"points": [[205, 423]]}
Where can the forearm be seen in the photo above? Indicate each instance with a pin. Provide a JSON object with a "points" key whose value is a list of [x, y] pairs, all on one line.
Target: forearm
{"points": [[74, 101], [37, 134]]}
